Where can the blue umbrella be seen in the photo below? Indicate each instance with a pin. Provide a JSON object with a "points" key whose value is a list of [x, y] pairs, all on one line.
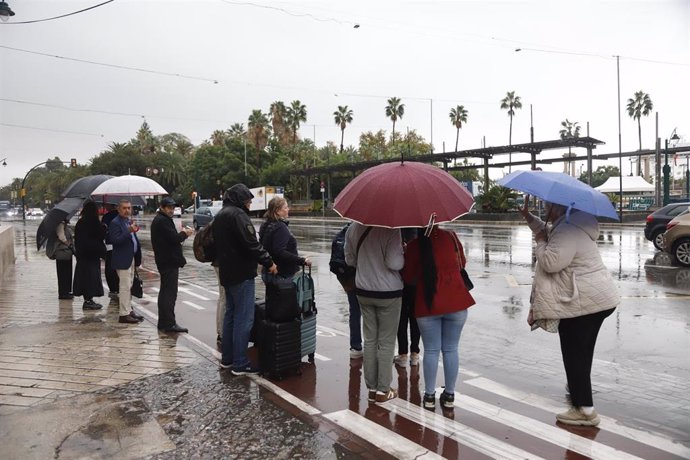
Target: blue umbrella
{"points": [[562, 189]]}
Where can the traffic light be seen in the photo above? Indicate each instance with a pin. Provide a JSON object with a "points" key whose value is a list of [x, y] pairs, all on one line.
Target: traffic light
{"points": [[73, 163]]}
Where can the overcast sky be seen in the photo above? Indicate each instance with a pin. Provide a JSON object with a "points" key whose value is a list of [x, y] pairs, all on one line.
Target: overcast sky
{"points": [[440, 54]]}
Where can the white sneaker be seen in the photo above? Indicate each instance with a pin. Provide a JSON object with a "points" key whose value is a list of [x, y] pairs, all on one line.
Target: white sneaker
{"points": [[356, 354], [575, 416], [401, 360]]}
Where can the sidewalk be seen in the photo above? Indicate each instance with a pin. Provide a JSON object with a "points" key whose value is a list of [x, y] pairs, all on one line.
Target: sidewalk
{"points": [[77, 384]]}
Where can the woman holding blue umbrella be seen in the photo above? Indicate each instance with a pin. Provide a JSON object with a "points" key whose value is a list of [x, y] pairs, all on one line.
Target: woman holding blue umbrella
{"points": [[572, 294]]}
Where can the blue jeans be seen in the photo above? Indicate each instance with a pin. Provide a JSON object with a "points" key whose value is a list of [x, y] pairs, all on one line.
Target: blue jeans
{"points": [[355, 321], [441, 333], [237, 323]]}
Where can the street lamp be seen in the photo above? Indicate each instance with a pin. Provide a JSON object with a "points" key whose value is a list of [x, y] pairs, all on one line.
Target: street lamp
{"points": [[5, 11], [667, 168]]}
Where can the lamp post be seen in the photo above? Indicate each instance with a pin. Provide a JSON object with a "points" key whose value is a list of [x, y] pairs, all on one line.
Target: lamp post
{"points": [[667, 168], [687, 176]]}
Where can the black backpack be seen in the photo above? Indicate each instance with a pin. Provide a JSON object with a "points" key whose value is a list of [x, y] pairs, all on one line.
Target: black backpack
{"points": [[204, 246], [337, 263]]}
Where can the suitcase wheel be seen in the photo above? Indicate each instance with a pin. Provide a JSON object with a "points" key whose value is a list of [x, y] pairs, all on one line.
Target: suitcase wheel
{"points": [[311, 357]]}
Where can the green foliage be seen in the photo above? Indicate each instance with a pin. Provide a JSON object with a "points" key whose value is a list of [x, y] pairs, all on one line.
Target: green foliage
{"points": [[497, 200], [601, 175], [466, 175], [118, 160]]}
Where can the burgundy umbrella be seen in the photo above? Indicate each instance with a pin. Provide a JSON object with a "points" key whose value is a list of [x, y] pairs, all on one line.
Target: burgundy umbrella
{"points": [[403, 194]]}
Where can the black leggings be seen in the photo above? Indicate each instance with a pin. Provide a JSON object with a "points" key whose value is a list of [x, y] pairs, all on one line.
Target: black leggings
{"points": [[578, 338], [407, 315]]}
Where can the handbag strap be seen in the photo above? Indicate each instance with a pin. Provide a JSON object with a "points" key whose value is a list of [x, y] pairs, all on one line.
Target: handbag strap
{"points": [[361, 240], [459, 253]]}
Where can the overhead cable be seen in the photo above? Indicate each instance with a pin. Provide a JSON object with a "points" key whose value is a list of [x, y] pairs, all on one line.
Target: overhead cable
{"points": [[57, 17]]}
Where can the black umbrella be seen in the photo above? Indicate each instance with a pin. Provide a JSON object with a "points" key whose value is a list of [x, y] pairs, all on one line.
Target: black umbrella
{"points": [[82, 187], [63, 210]]}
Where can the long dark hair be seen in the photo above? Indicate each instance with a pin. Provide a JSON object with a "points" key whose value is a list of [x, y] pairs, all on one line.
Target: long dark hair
{"points": [[89, 211], [429, 275]]}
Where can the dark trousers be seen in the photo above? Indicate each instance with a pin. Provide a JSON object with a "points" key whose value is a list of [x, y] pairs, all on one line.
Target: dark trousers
{"points": [[64, 276], [578, 338], [111, 274], [407, 316], [167, 297]]}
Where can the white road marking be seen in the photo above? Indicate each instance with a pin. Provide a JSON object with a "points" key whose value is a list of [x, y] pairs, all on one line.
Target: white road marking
{"points": [[321, 357], [463, 434], [512, 282], [394, 444], [193, 305], [192, 293], [548, 433], [607, 423], [289, 397]]}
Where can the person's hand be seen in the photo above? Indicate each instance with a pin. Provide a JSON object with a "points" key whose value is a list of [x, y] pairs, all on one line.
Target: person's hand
{"points": [[188, 231], [133, 227], [524, 211], [273, 270], [307, 261], [540, 236]]}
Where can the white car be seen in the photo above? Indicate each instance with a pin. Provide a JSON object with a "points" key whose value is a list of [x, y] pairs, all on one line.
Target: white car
{"points": [[177, 212]]}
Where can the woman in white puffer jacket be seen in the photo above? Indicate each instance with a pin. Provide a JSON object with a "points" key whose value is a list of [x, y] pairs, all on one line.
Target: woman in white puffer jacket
{"points": [[572, 293]]}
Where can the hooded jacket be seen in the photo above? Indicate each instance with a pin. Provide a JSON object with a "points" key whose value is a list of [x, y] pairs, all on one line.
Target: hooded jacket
{"points": [[167, 242], [570, 278], [238, 251]]}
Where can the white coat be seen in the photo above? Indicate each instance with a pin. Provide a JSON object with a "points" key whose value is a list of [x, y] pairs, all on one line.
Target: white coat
{"points": [[570, 279]]}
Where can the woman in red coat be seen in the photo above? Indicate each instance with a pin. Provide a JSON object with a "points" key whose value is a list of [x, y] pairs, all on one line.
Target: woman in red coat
{"points": [[433, 263]]}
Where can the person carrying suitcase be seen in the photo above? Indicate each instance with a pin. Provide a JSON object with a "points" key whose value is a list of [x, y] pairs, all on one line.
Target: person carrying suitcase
{"points": [[238, 252]]}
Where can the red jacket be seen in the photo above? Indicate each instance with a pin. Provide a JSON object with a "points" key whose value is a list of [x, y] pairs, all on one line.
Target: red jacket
{"points": [[451, 293]]}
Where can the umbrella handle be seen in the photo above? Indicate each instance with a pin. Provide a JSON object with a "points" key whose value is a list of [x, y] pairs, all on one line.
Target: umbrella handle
{"points": [[430, 224]]}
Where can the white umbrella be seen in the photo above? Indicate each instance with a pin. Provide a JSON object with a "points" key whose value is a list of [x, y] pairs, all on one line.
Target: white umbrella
{"points": [[129, 186]]}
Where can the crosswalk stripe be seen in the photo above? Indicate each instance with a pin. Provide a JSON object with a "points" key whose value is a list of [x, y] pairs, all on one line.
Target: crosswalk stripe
{"points": [[607, 423], [548, 433], [392, 443], [193, 305], [463, 434], [192, 293]]}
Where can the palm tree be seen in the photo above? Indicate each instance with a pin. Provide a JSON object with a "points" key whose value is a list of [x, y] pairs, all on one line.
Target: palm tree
{"points": [[570, 130], [218, 137], [342, 117], [296, 114], [236, 131], [258, 131], [394, 111], [510, 103], [637, 107], [278, 115], [458, 116]]}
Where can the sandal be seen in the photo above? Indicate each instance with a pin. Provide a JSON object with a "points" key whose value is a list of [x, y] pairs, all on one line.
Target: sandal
{"points": [[383, 397]]}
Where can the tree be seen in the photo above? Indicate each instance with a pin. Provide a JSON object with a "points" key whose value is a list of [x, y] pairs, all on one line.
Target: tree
{"points": [[237, 131], [342, 117], [175, 143], [394, 110], [570, 130], [145, 141], [497, 199], [258, 132], [458, 116], [296, 114], [278, 115], [637, 107], [510, 103]]}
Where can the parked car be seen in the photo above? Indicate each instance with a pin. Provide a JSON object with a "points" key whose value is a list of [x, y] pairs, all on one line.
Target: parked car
{"points": [[188, 210], [204, 215], [656, 222], [177, 212], [677, 239]]}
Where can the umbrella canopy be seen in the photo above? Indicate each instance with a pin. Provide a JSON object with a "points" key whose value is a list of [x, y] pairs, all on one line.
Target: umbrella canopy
{"points": [[562, 189], [129, 186], [82, 187], [63, 210], [405, 194]]}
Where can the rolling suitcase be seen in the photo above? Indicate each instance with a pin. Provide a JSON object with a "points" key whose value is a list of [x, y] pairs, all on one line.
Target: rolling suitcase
{"points": [[259, 315], [279, 348], [307, 305]]}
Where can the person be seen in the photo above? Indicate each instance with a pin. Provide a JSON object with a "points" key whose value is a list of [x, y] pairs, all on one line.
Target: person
{"points": [[220, 306], [167, 251], [346, 278], [572, 293], [238, 253], [111, 277], [126, 256], [377, 255], [280, 243], [63, 252], [432, 262], [89, 250], [407, 317]]}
